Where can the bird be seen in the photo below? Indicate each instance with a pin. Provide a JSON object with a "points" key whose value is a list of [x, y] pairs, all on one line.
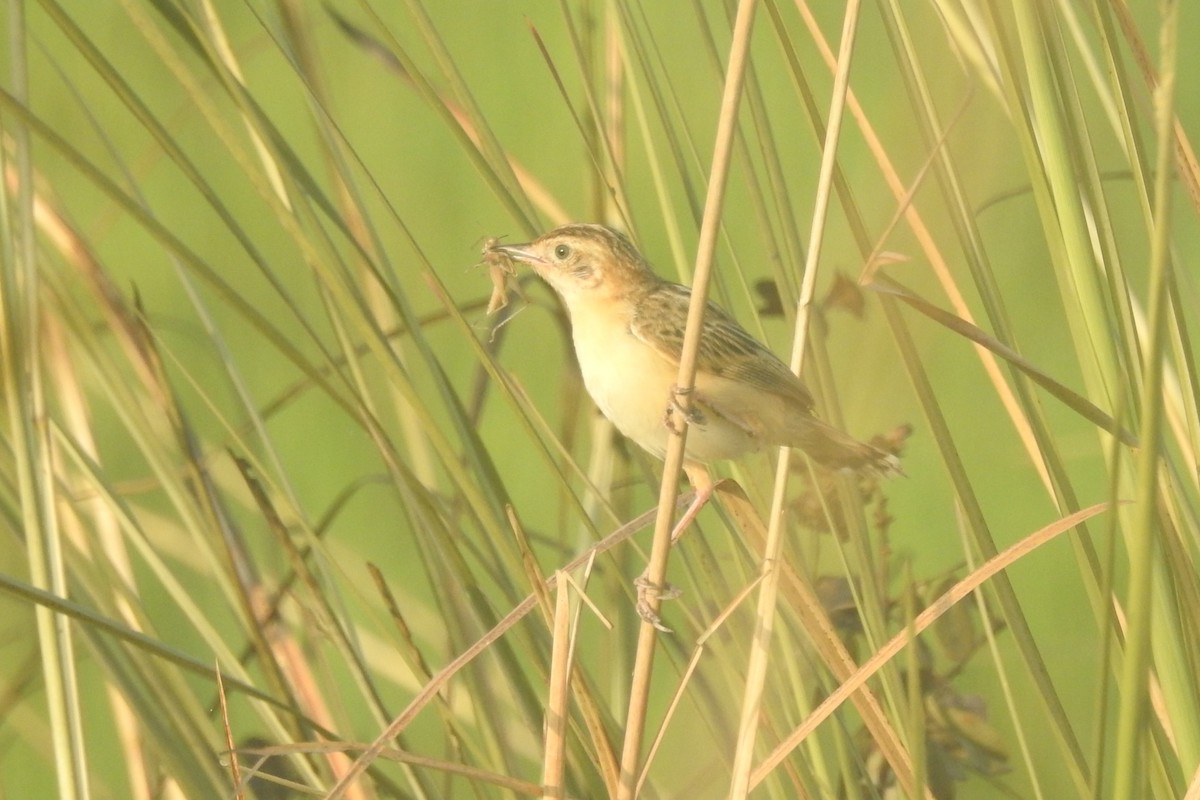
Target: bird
{"points": [[627, 327]]}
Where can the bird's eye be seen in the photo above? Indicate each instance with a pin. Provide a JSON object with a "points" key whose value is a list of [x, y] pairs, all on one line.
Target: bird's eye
{"points": [[562, 251]]}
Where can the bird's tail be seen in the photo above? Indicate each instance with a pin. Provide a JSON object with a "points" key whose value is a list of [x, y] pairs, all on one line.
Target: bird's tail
{"points": [[836, 450]]}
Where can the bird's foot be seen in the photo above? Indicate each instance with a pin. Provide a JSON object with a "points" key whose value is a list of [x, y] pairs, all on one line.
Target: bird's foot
{"points": [[694, 416], [647, 593]]}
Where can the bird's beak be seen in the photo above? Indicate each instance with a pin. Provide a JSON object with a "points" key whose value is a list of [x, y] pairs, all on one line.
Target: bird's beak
{"points": [[519, 252]]}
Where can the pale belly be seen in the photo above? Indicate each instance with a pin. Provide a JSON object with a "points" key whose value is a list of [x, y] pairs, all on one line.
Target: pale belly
{"points": [[631, 384]]}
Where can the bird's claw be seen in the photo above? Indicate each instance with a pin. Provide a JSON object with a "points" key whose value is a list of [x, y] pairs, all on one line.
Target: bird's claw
{"points": [[694, 416], [646, 593]]}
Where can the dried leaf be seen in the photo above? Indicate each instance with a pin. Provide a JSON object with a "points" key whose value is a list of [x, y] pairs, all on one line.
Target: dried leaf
{"points": [[845, 294], [770, 301]]}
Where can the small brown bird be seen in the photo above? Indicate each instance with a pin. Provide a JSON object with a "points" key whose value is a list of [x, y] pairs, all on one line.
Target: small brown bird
{"points": [[628, 325]]}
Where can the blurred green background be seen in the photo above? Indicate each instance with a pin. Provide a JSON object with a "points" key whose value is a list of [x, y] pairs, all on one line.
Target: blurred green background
{"points": [[335, 113]]}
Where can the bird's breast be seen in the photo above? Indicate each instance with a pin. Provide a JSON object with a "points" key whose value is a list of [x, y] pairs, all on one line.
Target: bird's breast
{"points": [[631, 383]]}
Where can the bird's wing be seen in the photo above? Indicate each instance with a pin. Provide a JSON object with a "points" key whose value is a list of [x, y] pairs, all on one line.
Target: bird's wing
{"points": [[726, 349]]}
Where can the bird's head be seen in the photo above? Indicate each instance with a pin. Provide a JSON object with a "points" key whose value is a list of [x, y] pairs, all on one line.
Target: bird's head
{"points": [[585, 262]]}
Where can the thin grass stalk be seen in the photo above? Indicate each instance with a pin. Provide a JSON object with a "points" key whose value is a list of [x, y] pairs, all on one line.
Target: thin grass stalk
{"points": [[278, 643], [1044, 445], [476, 498], [612, 125], [689, 671], [1111, 281], [180, 743], [1130, 776], [357, 223], [95, 515], [856, 553], [95, 624], [1056, 146], [632, 46], [183, 434], [743, 165], [558, 696], [605, 150], [639, 694], [214, 35], [915, 717], [463, 121], [1080, 269], [155, 689], [166, 401], [172, 243], [1006, 687], [139, 349], [134, 405], [187, 283], [528, 415], [29, 423], [787, 242], [989, 570], [756, 669], [972, 240], [452, 601], [492, 154], [283, 653], [869, 246], [432, 688], [1053, 140], [459, 744], [871, 713], [983, 540], [601, 753], [819, 629]]}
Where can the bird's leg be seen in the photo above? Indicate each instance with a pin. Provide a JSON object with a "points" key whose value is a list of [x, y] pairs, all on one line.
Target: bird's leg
{"points": [[646, 592], [693, 415], [702, 482]]}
